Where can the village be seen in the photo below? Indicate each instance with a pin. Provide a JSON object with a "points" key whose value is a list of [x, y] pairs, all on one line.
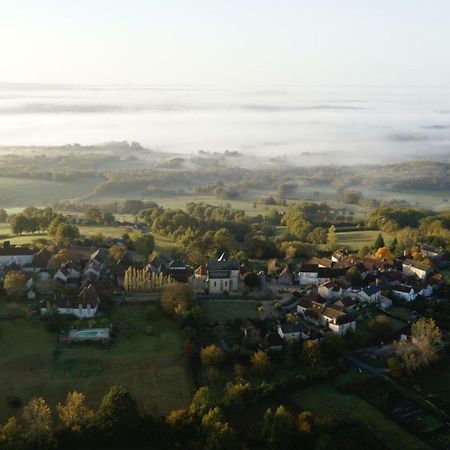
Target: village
{"points": [[307, 301], [271, 325]]}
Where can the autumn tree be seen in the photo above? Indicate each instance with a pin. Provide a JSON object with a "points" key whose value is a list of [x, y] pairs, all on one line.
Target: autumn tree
{"points": [[278, 428], [211, 356], [260, 362], [38, 422], [66, 233], [310, 353], [14, 284], [201, 402], [219, 434], [144, 244], [118, 416], [74, 414], [177, 299], [423, 347], [364, 251], [116, 251], [12, 435], [61, 257], [353, 276], [332, 239], [383, 253]]}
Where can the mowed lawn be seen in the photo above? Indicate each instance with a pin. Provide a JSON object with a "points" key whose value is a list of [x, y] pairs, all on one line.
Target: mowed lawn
{"points": [[150, 367], [326, 400], [358, 239], [223, 310]]}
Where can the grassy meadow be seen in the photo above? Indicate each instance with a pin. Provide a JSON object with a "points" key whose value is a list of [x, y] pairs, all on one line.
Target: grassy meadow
{"points": [[162, 243], [223, 310], [16, 192], [358, 239], [33, 363], [325, 400]]}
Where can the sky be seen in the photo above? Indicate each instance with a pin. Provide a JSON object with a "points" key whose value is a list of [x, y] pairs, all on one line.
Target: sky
{"points": [[227, 42]]}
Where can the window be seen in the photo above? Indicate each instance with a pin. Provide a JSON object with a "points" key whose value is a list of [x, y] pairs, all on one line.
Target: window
{"points": [[226, 283], [215, 283]]}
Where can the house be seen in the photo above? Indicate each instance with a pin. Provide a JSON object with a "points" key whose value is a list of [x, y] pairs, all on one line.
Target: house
{"points": [[404, 292], [431, 252], [154, 265], [11, 254], [83, 306], [338, 255], [39, 262], [308, 274], [100, 256], [286, 276], [67, 274], [273, 342], [384, 302], [414, 268], [92, 269], [179, 271], [370, 294], [321, 262], [199, 280], [223, 276], [338, 321], [330, 290], [346, 304], [290, 331]]}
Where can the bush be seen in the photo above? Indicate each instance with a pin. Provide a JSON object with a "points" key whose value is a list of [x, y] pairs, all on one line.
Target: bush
{"points": [[150, 330]]}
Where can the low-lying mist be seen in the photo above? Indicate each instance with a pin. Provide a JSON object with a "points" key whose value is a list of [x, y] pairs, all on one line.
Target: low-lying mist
{"points": [[313, 125]]}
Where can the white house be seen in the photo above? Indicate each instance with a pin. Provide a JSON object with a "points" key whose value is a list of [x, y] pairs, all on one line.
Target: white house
{"points": [[223, 276], [67, 274], [338, 321], [370, 294], [290, 331], [414, 268], [84, 306], [403, 292], [10, 254], [330, 290]]}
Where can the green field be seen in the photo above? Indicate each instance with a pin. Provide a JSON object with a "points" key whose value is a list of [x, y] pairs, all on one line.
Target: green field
{"points": [[162, 243], [222, 310], [358, 239], [24, 192], [326, 400], [33, 363]]}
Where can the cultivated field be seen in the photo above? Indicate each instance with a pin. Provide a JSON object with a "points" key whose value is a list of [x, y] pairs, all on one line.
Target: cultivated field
{"points": [[33, 363]]}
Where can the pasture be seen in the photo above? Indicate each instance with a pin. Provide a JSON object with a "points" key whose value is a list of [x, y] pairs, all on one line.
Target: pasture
{"points": [[33, 363]]}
